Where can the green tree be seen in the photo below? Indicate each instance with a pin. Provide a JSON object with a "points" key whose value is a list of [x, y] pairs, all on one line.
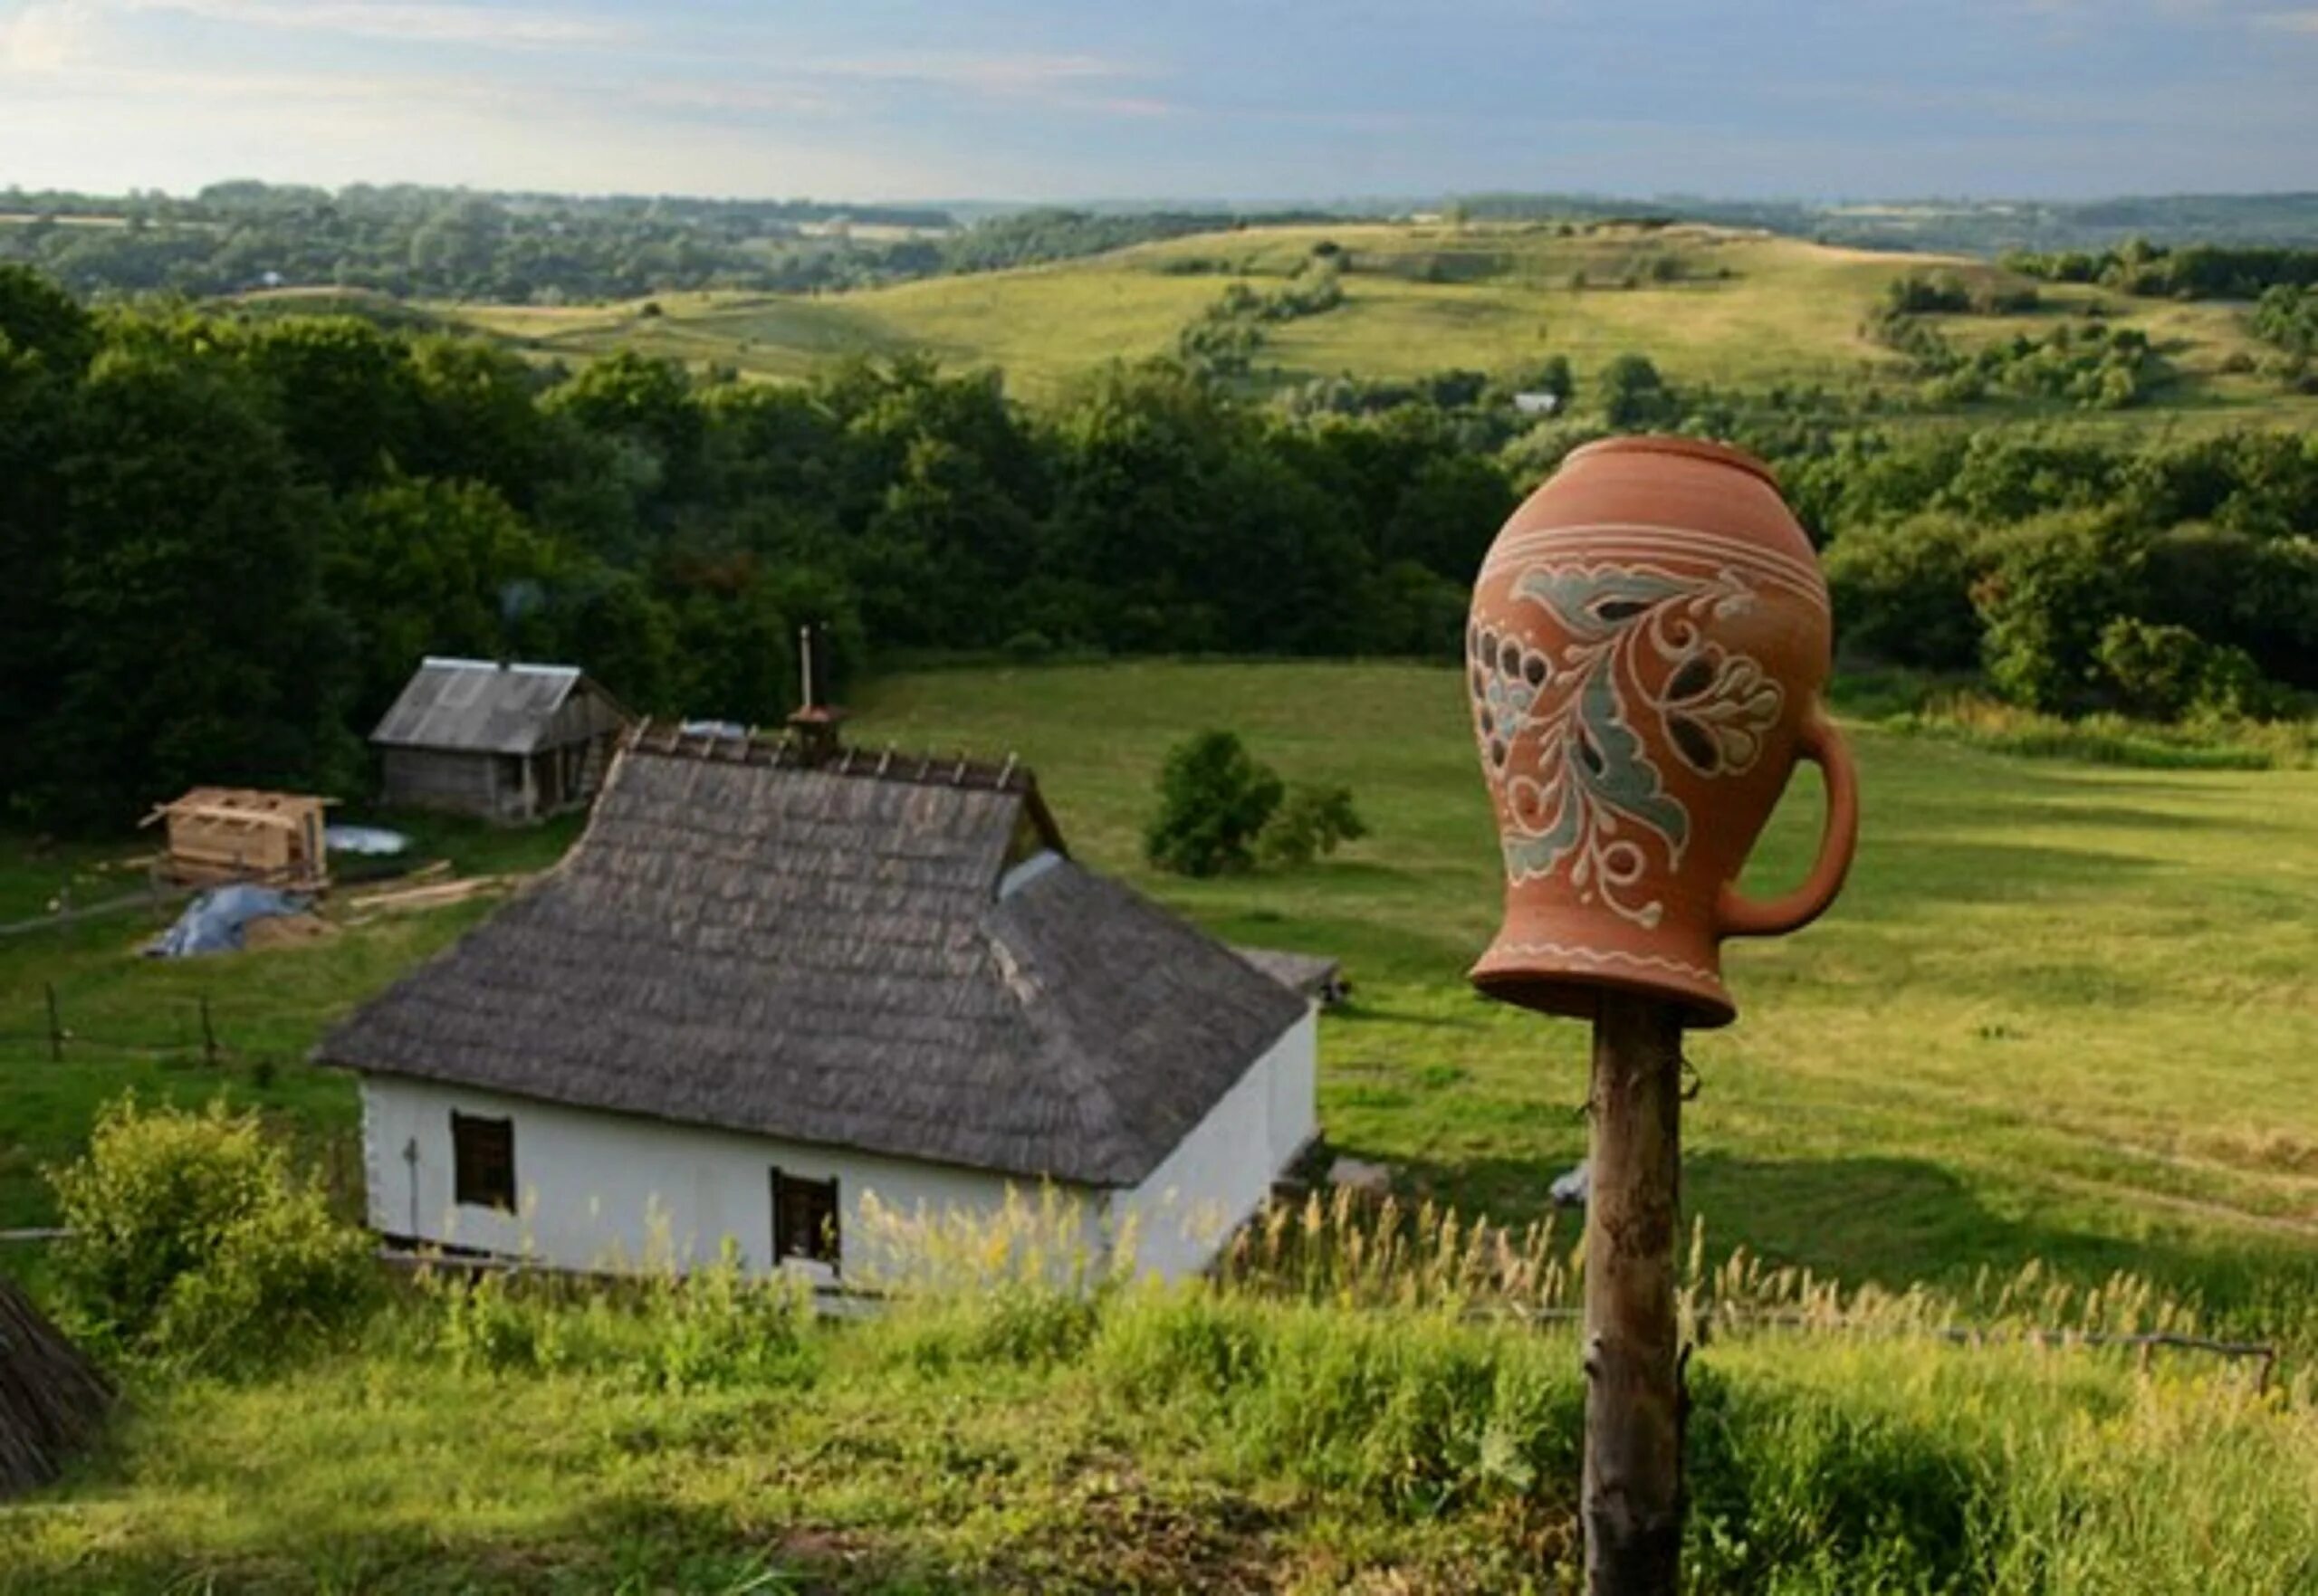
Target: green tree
{"points": [[436, 567], [1903, 591], [35, 401], [1633, 394], [1312, 823], [40, 322], [2054, 583], [1214, 800], [342, 394], [196, 643]]}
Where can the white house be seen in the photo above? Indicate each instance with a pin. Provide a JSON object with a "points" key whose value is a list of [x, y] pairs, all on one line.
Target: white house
{"points": [[777, 991]]}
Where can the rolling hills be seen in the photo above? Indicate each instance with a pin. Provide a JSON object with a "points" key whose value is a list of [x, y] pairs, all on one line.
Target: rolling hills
{"points": [[1710, 305]]}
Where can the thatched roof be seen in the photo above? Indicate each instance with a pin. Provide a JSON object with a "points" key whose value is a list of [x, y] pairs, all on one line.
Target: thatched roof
{"points": [[1314, 975], [885, 954], [51, 1399], [483, 706]]}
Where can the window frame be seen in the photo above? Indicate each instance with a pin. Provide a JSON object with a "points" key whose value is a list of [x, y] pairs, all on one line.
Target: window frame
{"points": [[471, 1175], [828, 1245]]}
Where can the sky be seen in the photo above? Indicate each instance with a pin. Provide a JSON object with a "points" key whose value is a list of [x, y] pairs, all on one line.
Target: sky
{"points": [[1210, 100]]}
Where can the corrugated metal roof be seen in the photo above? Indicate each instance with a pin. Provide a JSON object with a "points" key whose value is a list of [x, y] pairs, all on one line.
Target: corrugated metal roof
{"points": [[477, 706]]}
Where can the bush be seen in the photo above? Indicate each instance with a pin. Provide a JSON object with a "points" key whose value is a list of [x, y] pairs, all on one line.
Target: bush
{"points": [[1214, 800], [1028, 646], [1903, 591], [190, 1238], [1310, 824], [1633, 395], [2055, 582]]}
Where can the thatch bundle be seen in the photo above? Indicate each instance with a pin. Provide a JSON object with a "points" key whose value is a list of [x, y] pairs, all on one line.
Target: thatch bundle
{"points": [[51, 1399]]}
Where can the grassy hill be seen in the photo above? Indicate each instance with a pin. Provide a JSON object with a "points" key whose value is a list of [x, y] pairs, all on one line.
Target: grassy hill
{"points": [[2061, 1014], [1710, 305]]}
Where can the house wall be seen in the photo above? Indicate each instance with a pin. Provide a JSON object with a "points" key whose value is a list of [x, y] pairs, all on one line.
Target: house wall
{"points": [[602, 1191], [1222, 1172]]}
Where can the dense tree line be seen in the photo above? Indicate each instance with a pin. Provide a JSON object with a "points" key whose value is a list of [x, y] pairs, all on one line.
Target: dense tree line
{"points": [[529, 249], [225, 543], [2191, 272], [1977, 227], [2064, 569]]}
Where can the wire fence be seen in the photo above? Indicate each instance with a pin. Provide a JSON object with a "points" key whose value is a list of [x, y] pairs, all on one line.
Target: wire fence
{"points": [[196, 1031]]}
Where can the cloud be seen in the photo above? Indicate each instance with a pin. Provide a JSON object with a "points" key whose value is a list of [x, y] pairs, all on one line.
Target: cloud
{"points": [[737, 99], [50, 34], [1063, 82], [2288, 22], [47, 37]]}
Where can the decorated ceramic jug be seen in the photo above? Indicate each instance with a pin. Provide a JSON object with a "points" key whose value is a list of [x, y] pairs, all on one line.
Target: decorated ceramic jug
{"points": [[1649, 643]]}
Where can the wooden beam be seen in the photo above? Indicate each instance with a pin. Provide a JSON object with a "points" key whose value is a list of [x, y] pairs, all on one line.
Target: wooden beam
{"points": [[1633, 1491]]}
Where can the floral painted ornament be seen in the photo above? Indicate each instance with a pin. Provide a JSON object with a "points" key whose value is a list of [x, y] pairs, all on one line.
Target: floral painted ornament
{"points": [[1648, 646]]}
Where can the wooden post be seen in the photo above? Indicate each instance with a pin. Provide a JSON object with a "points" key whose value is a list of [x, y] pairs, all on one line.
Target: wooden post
{"points": [[55, 1028], [1633, 1503], [208, 1034]]}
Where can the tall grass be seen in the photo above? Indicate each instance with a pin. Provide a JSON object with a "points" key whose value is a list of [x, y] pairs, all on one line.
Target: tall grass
{"points": [[2214, 743], [1380, 1399]]}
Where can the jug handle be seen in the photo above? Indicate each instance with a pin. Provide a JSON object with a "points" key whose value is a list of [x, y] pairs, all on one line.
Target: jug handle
{"points": [[1736, 916]]}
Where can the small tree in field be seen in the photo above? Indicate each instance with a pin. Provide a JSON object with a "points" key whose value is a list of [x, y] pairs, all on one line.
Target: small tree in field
{"points": [[1214, 799], [1310, 824]]}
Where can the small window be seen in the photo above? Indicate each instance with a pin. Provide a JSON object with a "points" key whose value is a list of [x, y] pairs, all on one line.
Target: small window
{"points": [[482, 1161], [804, 1219]]}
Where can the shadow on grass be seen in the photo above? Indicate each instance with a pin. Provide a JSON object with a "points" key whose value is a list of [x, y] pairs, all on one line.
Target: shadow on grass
{"points": [[1897, 873]]}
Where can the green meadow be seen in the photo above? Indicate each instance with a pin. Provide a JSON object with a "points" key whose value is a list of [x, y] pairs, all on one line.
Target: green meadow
{"points": [[2063, 1011], [2055, 1031]]}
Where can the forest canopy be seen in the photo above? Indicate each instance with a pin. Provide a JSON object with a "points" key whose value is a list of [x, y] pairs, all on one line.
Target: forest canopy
{"points": [[226, 541]]}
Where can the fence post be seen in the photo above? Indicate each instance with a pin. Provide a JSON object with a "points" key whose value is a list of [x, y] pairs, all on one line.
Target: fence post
{"points": [[208, 1034], [56, 1027]]}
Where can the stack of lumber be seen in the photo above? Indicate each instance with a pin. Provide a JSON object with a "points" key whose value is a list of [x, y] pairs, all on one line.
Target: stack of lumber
{"points": [[51, 1399], [432, 894]]}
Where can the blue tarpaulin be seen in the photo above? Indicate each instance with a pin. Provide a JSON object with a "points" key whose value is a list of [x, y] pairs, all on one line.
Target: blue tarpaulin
{"points": [[213, 923]]}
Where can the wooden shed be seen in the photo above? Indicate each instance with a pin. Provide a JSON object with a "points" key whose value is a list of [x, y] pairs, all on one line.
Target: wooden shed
{"points": [[502, 741], [222, 834]]}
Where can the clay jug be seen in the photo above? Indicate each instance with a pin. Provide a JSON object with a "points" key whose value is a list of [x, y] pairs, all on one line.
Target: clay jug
{"points": [[1646, 658]]}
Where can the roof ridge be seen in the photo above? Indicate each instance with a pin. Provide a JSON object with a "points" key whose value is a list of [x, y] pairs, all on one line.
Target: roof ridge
{"points": [[447, 662], [709, 741]]}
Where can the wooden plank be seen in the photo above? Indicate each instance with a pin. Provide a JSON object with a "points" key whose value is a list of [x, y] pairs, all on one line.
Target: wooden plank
{"points": [[434, 895]]}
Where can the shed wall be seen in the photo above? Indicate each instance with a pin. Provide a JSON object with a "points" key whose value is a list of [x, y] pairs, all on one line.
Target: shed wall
{"points": [[463, 783]]}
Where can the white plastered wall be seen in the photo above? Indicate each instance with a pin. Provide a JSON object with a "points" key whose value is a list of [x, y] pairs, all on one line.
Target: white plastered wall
{"points": [[599, 1190], [1218, 1176]]}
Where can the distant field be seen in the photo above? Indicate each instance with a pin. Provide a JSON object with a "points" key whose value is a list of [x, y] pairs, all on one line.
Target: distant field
{"points": [[1741, 308], [2063, 1012]]}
